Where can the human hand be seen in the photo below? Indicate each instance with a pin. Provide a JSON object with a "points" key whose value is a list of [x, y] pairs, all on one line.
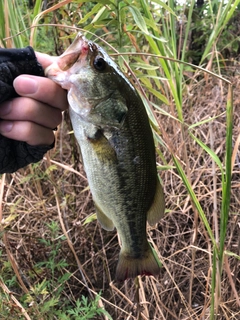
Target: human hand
{"points": [[33, 116]]}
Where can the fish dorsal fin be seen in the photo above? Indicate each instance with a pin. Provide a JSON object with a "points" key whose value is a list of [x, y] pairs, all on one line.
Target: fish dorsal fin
{"points": [[105, 222], [156, 211]]}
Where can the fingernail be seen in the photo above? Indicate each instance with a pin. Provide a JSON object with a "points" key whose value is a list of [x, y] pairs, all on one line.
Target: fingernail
{"points": [[6, 126], [25, 85], [5, 108]]}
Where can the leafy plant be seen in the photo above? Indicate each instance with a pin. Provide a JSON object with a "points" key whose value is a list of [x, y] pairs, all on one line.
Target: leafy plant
{"points": [[44, 299], [86, 309]]}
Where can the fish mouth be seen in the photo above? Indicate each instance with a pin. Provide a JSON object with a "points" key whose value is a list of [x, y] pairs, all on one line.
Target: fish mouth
{"points": [[77, 51], [73, 59]]}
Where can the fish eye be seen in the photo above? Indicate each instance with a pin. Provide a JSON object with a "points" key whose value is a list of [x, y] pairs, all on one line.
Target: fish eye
{"points": [[99, 63]]}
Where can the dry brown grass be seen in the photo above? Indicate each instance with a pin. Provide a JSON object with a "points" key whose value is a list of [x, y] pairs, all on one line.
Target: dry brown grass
{"points": [[183, 288]]}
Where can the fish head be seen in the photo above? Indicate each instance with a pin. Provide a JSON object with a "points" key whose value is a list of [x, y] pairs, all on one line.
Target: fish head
{"points": [[94, 82]]}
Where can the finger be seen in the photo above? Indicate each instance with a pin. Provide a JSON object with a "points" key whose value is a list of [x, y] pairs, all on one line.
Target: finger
{"points": [[27, 109], [26, 131], [41, 89]]}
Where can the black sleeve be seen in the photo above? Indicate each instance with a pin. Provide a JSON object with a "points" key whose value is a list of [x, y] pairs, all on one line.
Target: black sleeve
{"points": [[13, 62]]}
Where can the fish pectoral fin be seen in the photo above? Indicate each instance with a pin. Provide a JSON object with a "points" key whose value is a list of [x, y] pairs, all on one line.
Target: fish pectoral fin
{"points": [[156, 211], [101, 146], [105, 222]]}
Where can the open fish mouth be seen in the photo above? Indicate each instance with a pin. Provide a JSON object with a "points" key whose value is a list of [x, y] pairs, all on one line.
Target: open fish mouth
{"points": [[76, 52]]}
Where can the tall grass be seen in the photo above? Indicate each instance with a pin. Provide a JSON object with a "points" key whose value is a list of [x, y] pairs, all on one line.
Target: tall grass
{"points": [[150, 41]]}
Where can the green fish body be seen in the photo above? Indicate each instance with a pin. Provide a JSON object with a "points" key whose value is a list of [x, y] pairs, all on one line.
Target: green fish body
{"points": [[111, 126]]}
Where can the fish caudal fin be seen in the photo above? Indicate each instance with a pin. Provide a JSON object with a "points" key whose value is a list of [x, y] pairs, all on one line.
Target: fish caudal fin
{"points": [[129, 267]]}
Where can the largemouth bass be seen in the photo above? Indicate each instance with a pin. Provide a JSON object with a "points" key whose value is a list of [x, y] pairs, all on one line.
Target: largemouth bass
{"points": [[111, 126]]}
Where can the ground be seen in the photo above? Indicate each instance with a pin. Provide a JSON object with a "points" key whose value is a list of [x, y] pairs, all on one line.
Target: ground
{"points": [[49, 202]]}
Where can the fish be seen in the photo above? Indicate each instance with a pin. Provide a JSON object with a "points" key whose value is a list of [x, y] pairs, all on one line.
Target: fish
{"points": [[116, 141]]}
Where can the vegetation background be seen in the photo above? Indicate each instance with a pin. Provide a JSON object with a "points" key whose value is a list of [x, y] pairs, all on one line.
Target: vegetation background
{"points": [[55, 260]]}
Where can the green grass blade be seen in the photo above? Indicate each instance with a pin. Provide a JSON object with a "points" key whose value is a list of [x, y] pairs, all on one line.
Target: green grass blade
{"points": [[226, 186], [232, 254], [213, 284], [211, 153], [137, 16], [194, 199], [37, 7], [2, 24], [223, 16], [12, 23]]}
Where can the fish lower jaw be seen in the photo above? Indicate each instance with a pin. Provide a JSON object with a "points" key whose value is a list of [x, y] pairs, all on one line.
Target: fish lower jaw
{"points": [[54, 73], [61, 80]]}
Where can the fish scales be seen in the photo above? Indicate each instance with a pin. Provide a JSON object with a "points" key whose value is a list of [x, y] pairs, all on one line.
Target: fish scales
{"points": [[111, 126]]}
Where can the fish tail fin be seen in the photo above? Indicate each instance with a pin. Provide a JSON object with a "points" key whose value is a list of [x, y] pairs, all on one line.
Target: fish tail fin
{"points": [[130, 267]]}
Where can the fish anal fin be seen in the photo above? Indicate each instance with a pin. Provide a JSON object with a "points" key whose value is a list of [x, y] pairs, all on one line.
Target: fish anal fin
{"points": [[105, 222], [130, 267], [156, 211]]}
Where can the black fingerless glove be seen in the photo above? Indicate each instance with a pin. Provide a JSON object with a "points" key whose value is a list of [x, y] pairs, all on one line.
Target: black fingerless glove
{"points": [[14, 62]]}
